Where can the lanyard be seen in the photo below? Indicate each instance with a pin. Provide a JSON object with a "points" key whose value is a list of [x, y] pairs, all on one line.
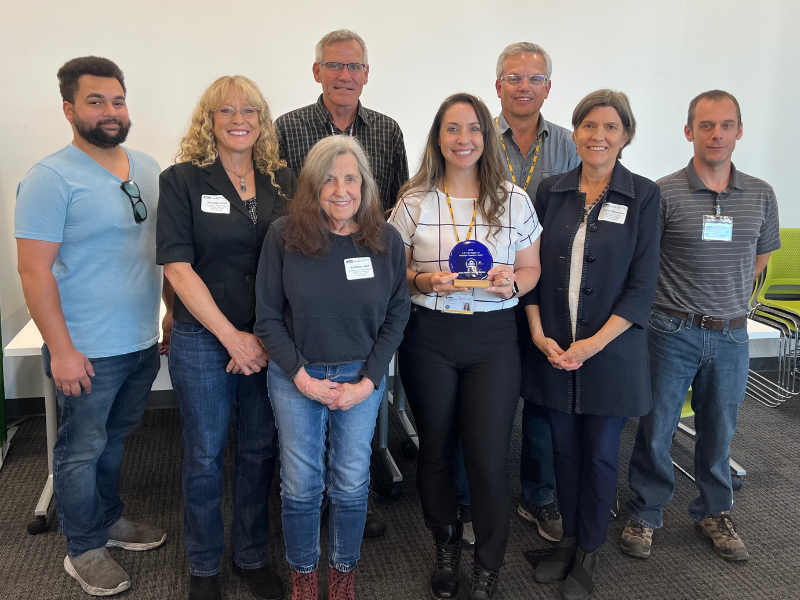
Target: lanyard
{"points": [[353, 124], [508, 160], [471, 225]]}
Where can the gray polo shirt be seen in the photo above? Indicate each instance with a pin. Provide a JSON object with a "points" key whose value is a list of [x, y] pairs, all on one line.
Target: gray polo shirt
{"points": [[713, 278], [557, 154]]}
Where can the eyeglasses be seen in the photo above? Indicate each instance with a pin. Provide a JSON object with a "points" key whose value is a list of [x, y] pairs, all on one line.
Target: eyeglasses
{"points": [[337, 66], [228, 112], [138, 205], [534, 80]]}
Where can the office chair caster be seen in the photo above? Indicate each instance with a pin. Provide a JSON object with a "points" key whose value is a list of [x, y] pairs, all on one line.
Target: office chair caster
{"points": [[736, 483], [37, 526], [409, 449]]}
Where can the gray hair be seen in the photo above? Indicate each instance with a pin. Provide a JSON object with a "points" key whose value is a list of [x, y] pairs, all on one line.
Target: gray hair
{"points": [[611, 98], [322, 157], [713, 96], [340, 35], [523, 48]]}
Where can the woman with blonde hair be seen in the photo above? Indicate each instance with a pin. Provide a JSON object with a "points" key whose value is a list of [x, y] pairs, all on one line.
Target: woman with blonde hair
{"points": [[215, 206], [459, 360]]}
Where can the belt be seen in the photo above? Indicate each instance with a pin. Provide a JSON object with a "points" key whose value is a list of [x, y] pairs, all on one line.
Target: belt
{"points": [[707, 322]]}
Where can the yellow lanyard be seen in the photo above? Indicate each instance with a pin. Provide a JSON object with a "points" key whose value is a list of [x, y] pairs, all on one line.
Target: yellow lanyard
{"points": [[471, 225], [508, 160]]}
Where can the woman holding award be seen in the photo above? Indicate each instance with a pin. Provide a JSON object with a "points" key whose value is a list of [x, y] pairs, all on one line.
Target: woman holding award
{"points": [[600, 260], [472, 247]]}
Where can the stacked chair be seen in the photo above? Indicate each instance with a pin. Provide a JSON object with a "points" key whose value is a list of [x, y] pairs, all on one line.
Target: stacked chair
{"points": [[776, 302]]}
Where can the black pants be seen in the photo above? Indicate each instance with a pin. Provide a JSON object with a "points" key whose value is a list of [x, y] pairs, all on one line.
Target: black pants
{"points": [[461, 374], [586, 450]]}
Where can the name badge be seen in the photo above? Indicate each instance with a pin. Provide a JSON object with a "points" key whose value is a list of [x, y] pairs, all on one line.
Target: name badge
{"points": [[717, 229], [358, 268], [613, 213], [460, 303], [215, 204]]}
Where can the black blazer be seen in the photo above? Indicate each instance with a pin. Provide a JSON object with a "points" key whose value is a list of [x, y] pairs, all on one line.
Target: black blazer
{"points": [[223, 248], [620, 272]]}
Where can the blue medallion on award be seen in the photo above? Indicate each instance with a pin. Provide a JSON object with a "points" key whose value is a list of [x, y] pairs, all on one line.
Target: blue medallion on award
{"points": [[471, 260]]}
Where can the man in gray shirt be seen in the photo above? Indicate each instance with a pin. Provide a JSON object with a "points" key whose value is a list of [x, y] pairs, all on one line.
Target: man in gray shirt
{"points": [[718, 229]]}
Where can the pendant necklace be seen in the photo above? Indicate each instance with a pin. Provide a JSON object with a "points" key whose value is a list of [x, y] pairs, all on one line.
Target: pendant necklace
{"points": [[242, 185]]}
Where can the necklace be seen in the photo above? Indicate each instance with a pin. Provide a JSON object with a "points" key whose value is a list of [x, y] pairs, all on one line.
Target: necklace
{"points": [[242, 184], [596, 200]]}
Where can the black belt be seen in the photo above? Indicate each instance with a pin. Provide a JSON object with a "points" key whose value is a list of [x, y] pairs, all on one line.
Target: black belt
{"points": [[707, 322]]}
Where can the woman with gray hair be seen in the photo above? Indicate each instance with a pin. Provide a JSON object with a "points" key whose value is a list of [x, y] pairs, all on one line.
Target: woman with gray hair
{"points": [[587, 316], [331, 305]]}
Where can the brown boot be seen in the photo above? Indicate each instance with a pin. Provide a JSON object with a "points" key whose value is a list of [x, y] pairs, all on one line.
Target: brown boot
{"points": [[341, 586], [304, 586]]}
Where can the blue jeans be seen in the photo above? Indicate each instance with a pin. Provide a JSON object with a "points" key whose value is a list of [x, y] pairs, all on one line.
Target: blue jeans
{"points": [[715, 364], [87, 457], [206, 394], [537, 475], [302, 426]]}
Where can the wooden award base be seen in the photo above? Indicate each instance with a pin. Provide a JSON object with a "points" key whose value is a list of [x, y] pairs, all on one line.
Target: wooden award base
{"points": [[472, 283]]}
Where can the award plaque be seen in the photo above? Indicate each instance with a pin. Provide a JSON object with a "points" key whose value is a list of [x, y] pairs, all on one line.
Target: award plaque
{"points": [[472, 261]]}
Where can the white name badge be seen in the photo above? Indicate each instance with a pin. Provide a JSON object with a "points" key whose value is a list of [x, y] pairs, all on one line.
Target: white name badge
{"points": [[358, 268], [717, 229], [215, 204], [460, 303], [614, 213]]}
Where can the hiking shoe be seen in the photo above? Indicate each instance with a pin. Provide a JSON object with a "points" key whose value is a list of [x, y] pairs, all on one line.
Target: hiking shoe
{"points": [[465, 516], [636, 540], [305, 586], [341, 586], [129, 535], [98, 573], [727, 543], [546, 518]]}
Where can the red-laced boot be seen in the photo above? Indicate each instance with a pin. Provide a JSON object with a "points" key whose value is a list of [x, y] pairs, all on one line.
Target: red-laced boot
{"points": [[304, 586], [341, 586]]}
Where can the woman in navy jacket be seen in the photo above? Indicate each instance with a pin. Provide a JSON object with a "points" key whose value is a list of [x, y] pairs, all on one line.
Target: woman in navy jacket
{"points": [[600, 258]]}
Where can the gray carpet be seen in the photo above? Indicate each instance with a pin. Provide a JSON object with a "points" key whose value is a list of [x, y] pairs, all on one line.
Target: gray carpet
{"points": [[396, 567]]}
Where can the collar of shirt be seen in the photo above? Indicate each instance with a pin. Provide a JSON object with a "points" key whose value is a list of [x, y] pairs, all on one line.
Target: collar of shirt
{"points": [[696, 184], [503, 126], [323, 116], [621, 181]]}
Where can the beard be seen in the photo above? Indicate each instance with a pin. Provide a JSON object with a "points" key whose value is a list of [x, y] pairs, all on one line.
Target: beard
{"points": [[98, 137]]}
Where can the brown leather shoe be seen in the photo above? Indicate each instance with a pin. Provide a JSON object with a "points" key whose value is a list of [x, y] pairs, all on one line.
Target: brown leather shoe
{"points": [[304, 586], [341, 586]]}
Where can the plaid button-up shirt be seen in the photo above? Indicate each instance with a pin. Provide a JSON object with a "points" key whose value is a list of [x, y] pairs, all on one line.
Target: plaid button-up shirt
{"points": [[380, 136]]}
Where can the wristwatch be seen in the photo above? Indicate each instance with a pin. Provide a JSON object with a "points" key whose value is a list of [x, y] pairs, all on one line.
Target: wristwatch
{"points": [[515, 292]]}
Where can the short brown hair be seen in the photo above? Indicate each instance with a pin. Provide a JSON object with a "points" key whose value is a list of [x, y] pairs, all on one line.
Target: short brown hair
{"points": [[614, 99], [714, 96], [307, 230], [72, 70]]}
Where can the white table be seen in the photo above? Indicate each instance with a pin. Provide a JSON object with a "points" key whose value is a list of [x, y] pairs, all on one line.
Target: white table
{"points": [[28, 342]]}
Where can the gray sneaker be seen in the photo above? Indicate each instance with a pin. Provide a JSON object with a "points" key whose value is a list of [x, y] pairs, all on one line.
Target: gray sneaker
{"points": [[98, 573], [468, 533], [129, 535], [636, 540], [546, 518], [720, 529]]}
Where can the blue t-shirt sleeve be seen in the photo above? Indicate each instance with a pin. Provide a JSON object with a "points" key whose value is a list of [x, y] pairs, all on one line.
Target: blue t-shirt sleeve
{"points": [[43, 198]]}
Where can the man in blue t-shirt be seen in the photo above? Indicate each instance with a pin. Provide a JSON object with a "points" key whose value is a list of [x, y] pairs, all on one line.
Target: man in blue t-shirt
{"points": [[85, 229]]}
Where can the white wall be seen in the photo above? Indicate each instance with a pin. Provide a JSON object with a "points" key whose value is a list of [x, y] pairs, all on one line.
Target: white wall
{"points": [[661, 52]]}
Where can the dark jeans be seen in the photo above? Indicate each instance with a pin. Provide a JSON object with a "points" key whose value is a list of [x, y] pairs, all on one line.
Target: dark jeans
{"points": [[715, 364], [87, 457], [462, 374], [586, 451], [536, 475], [207, 393]]}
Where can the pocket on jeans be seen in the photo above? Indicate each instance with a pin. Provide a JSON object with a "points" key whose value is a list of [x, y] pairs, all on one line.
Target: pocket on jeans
{"points": [[738, 336], [663, 323], [187, 328]]}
